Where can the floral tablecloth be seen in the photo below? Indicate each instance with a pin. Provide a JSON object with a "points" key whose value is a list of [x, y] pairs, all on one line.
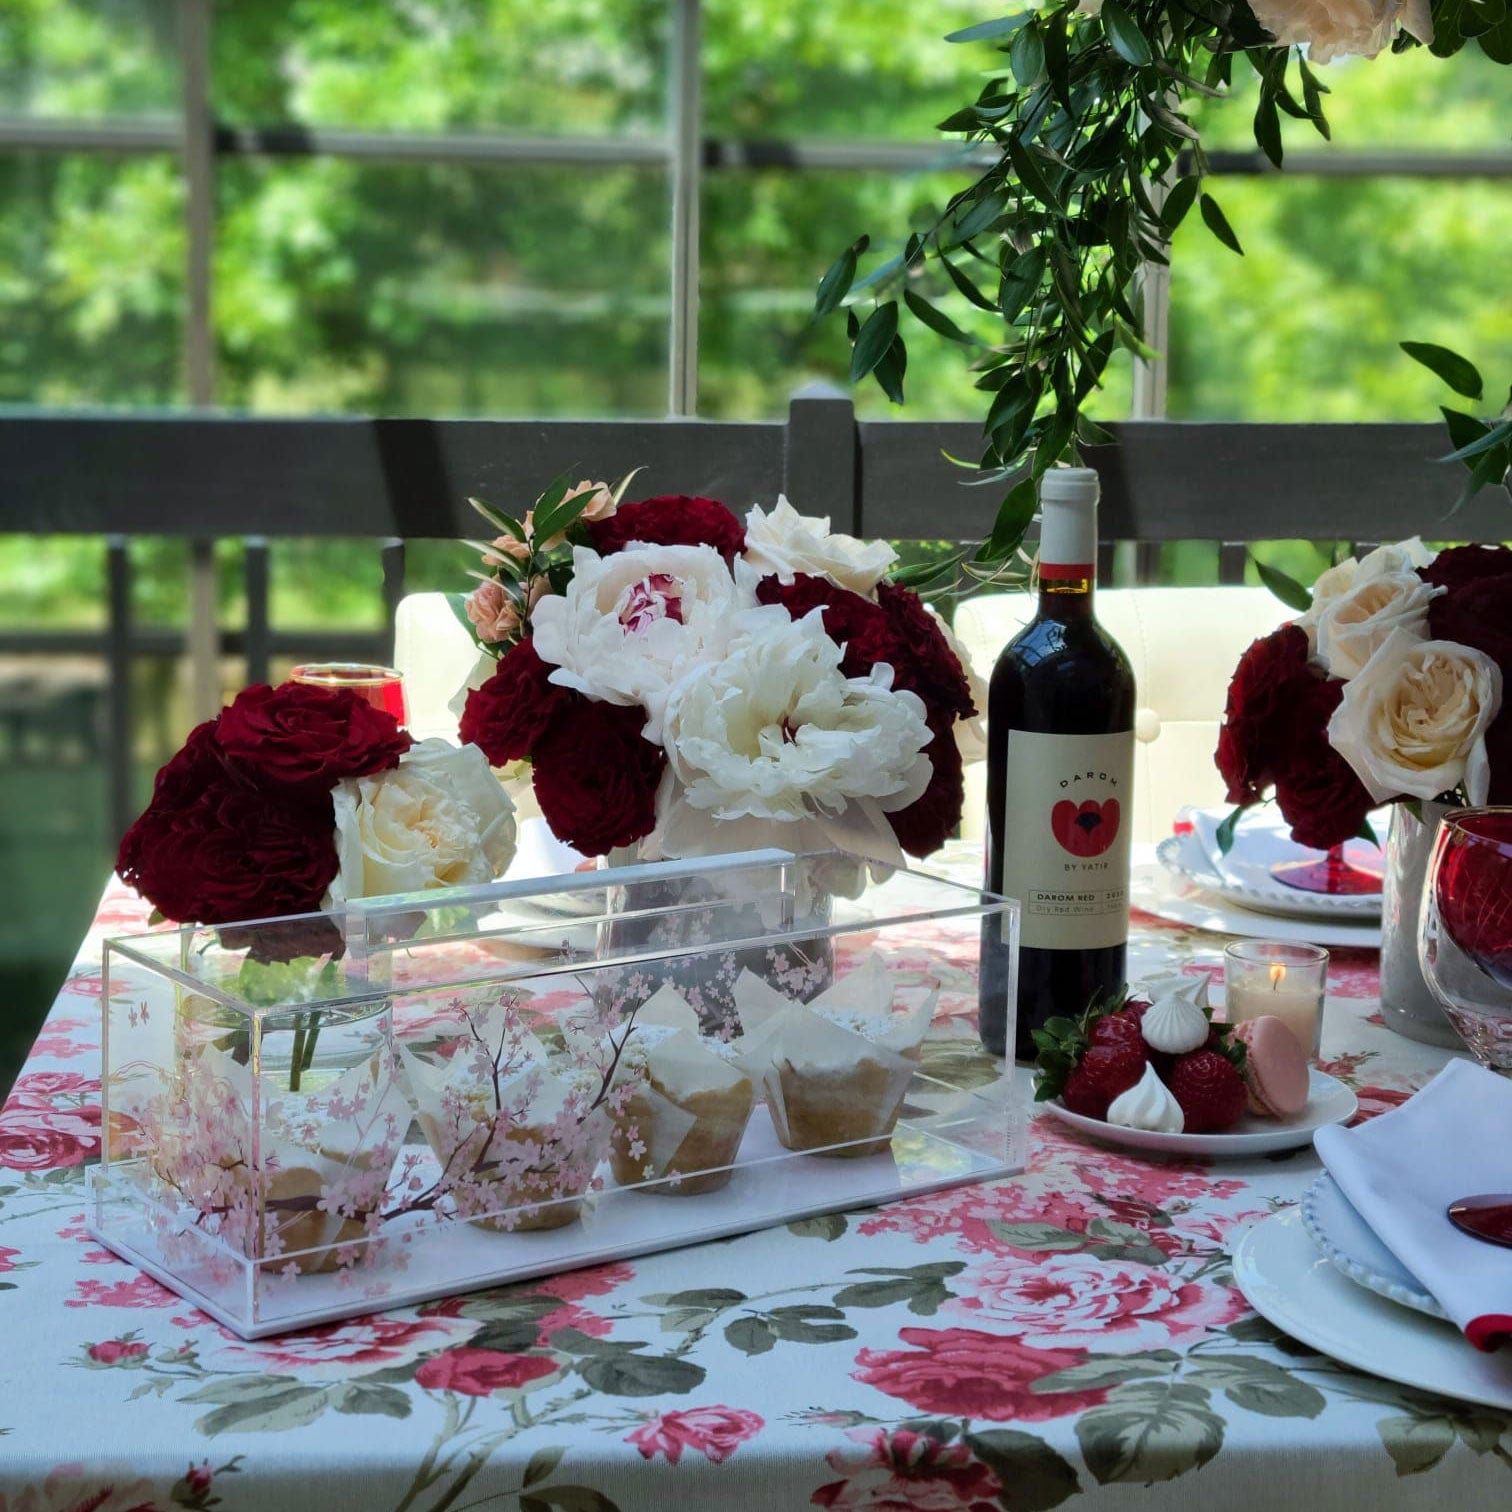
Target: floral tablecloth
{"points": [[1065, 1336]]}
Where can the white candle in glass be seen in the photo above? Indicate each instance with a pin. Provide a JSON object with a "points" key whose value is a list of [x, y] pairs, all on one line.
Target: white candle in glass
{"points": [[1288, 996]]}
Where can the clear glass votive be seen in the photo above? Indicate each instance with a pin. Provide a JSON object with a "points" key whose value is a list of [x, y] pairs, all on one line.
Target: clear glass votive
{"points": [[1280, 977], [380, 686]]}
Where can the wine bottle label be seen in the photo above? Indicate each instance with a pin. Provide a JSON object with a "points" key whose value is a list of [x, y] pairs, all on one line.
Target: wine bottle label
{"points": [[1066, 820]]}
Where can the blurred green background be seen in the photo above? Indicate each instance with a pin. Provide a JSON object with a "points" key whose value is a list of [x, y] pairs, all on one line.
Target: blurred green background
{"points": [[375, 288]]}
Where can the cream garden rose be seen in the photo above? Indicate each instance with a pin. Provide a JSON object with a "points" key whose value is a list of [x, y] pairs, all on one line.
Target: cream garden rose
{"points": [[1413, 721], [786, 542], [1343, 28], [438, 819], [1340, 580], [1354, 623], [775, 735], [632, 623]]}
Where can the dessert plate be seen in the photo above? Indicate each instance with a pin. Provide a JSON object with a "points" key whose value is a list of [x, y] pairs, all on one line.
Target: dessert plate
{"points": [[1351, 1246], [1329, 1101], [1246, 874], [1287, 1281]]}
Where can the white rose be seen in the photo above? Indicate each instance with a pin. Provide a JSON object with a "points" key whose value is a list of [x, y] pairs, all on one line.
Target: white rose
{"points": [[786, 542], [1413, 721], [632, 623], [775, 736], [438, 819], [1405, 556], [1354, 623], [1343, 28]]}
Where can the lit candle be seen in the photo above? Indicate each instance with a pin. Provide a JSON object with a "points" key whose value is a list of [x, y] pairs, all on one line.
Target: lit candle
{"points": [[1290, 990]]}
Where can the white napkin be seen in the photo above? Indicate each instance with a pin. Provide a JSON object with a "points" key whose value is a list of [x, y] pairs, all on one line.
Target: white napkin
{"points": [[1262, 840], [1402, 1170]]}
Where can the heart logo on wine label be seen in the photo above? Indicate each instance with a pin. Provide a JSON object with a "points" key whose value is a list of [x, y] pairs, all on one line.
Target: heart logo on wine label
{"points": [[1085, 829]]}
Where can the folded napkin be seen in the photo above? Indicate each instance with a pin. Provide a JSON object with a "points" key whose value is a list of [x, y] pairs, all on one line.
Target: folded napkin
{"points": [[1402, 1170], [1262, 839]]}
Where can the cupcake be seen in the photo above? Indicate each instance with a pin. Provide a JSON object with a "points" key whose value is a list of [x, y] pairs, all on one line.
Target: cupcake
{"points": [[688, 1110], [836, 1070]]}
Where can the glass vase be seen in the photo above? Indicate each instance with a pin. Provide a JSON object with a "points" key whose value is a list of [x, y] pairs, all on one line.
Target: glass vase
{"points": [[1407, 1003]]}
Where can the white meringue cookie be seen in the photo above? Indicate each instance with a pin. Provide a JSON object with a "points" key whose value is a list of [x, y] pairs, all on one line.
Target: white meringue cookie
{"points": [[1174, 984], [1174, 1025], [1149, 1105]]}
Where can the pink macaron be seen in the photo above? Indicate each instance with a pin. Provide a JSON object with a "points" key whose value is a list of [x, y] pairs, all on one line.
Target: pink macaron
{"points": [[1275, 1068]]}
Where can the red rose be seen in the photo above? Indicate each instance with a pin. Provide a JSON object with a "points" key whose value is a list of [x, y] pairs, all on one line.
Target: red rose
{"points": [[507, 715], [1467, 564], [1322, 798], [480, 1372], [931, 819], [670, 520], [1477, 613], [1473, 890], [904, 1471], [856, 624], [117, 1352], [236, 849], [596, 775], [309, 735], [1256, 741], [716, 1432], [45, 1140], [961, 1372], [922, 660]]}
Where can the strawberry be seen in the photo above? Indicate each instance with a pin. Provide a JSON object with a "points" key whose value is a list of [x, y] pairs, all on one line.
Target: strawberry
{"points": [[1209, 1089], [1116, 1029], [1082, 1095], [1114, 1068]]}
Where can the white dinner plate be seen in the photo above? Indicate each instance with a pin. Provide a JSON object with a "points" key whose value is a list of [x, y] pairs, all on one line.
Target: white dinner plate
{"points": [[1170, 896], [1353, 1248], [1246, 878], [1287, 1281], [1329, 1102]]}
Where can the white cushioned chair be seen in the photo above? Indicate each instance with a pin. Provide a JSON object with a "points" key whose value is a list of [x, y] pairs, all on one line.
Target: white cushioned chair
{"points": [[1183, 644]]}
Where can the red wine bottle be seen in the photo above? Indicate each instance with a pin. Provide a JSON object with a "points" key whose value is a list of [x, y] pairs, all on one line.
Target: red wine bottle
{"points": [[1060, 759]]}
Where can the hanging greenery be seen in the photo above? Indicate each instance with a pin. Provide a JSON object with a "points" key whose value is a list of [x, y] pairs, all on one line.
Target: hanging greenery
{"points": [[1093, 164]]}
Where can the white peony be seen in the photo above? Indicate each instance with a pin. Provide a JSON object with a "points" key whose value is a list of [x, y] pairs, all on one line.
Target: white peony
{"points": [[1413, 720], [774, 744], [632, 623], [786, 542], [438, 819], [1343, 28], [1355, 623]]}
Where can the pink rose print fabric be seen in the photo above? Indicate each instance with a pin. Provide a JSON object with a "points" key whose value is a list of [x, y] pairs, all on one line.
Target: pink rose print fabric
{"points": [[1072, 1335]]}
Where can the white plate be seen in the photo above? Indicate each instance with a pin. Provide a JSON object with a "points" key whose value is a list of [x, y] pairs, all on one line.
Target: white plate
{"points": [[1172, 897], [1288, 1282], [1329, 1102], [1352, 1247], [1245, 876]]}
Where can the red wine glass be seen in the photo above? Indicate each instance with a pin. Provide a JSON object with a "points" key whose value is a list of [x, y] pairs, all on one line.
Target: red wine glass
{"points": [[380, 686], [1465, 930]]}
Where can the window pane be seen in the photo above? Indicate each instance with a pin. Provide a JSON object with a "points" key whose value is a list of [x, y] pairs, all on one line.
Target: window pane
{"points": [[1336, 272], [91, 280], [89, 58], [569, 67], [442, 290], [872, 68]]}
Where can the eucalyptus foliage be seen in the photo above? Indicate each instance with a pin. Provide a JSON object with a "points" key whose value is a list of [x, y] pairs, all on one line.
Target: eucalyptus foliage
{"points": [[1093, 164]]}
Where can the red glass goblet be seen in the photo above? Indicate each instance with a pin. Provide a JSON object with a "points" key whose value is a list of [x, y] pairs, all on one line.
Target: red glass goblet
{"points": [[380, 686], [1465, 930]]}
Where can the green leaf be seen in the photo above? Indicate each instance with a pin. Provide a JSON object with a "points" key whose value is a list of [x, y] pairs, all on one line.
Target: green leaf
{"points": [[941, 324], [1258, 1385], [568, 1499], [542, 1463], [1464, 430], [1268, 128], [1034, 1476], [1497, 43], [293, 1405], [1149, 1431], [1494, 435], [889, 371], [1225, 831], [835, 284], [1027, 56], [1286, 588], [365, 1398], [966, 287], [1123, 32], [575, 1341], [810, 1324], [985, 30], [1459, 373], [512, 1336], [874, 339], [751, 1335], [1013, 517], [504, 1307], [826, 1226], [1102, 1372], [1416, 1444], [637, 1375], [1032, 176], [1217, 222], [713, 1297], [1181, 198], [1037, 1237], [977, 219]]}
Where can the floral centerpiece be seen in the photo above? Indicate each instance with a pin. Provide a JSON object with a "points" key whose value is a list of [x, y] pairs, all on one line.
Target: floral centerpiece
{"points": [[685, 683], [1388, 689]]}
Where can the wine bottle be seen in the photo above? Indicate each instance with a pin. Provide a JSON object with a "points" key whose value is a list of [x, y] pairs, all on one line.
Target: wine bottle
{"points": [[1060, 759]]}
